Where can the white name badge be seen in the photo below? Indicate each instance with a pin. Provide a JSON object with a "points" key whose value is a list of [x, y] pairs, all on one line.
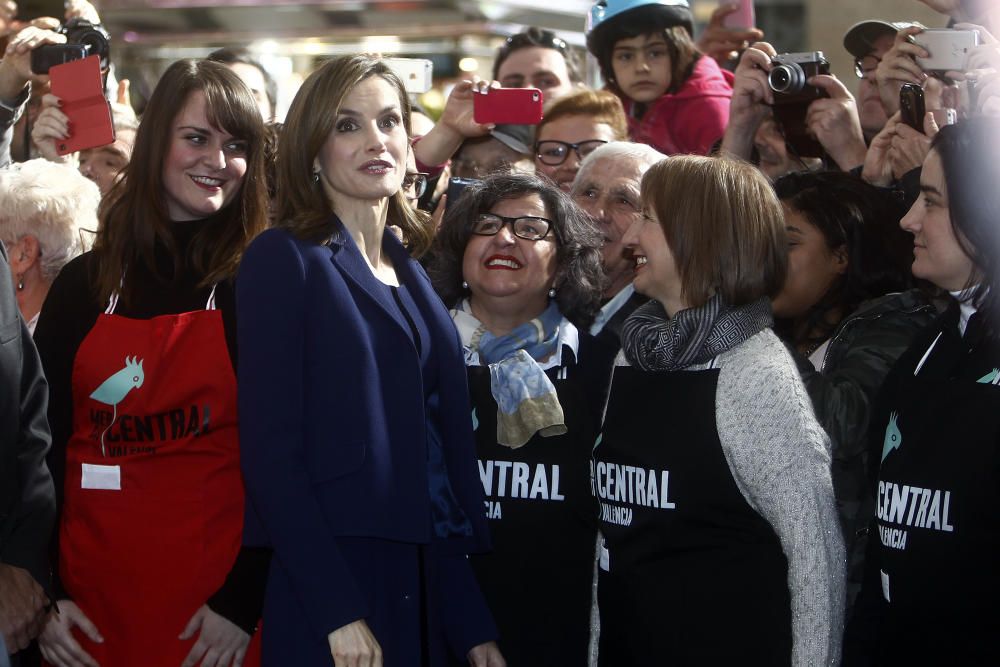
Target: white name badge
{"points": [[885, 585], [605, 559], [108, 478]]}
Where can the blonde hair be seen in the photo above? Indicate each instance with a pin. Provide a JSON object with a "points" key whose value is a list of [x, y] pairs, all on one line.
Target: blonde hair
{"points": [[724, 225], [52, 202]]}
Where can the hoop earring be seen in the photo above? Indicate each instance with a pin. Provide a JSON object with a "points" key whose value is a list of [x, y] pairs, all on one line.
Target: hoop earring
{"points": [[316, 176], [465, 285]]}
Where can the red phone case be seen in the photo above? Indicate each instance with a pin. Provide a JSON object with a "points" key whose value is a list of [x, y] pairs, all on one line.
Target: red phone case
{"points": [[508, 106], [80, 88]]}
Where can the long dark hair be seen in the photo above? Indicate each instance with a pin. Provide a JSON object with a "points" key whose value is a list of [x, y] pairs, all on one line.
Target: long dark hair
{"points": [[864, 221], [134, 216], [971, 175], [579, 279], [302, 205]]}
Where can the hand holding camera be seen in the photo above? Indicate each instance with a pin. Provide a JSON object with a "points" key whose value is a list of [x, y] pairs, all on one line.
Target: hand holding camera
{"points": [[834, 121], [793, 94], [15, 68], [900, 66], [751, 101]]}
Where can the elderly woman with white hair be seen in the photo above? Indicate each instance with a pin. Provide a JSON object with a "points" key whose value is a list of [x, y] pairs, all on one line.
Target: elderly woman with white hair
{"points": [[46, 210]]}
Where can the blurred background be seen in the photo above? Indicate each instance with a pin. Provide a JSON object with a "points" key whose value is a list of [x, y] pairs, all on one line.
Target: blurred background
{"points": [[458, 36]]}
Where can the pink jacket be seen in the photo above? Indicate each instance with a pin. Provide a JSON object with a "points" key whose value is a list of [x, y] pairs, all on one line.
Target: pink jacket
{"points": [[690, 120]]}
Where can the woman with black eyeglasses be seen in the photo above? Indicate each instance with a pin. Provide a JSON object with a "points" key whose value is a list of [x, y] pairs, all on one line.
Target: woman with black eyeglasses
{"points": [[520, 266], [575, 126]]}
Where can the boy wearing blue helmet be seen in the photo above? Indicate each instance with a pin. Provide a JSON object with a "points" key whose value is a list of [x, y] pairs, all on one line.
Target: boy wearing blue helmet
{"points": [[677, 100]]}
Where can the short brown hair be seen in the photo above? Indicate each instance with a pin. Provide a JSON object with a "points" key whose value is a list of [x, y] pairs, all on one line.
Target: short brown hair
{"points": [[600, 105], [724, 225], [134, 214], [302, 205]]}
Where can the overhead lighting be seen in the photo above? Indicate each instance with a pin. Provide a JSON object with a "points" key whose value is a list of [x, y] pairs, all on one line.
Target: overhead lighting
{"points": [[381, 44], [468, 65], [266, 47]]}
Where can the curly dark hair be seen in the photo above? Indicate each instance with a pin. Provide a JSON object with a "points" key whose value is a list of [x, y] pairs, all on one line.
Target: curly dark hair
{"points": [[864, 220], [579, 280]]}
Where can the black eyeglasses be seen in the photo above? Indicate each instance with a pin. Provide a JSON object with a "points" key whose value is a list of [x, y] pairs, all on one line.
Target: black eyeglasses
{"points": [[554, 153], [417, 181], [866, 65], [527, 227]]}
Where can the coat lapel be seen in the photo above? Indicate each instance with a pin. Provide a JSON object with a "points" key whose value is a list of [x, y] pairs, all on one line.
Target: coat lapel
{"points": [[346, 257]]}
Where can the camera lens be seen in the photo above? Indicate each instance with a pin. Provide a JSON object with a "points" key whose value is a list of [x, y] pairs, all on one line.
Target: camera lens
{"points": [[786, 78]]}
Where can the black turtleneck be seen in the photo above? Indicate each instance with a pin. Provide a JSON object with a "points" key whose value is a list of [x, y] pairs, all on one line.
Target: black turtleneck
{"points": [[70, 312]]}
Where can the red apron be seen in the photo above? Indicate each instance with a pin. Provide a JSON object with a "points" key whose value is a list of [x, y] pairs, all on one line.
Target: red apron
{"points": [[153, 510]]}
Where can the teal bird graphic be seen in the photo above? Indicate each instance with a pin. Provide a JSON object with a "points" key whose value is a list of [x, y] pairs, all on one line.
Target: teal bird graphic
{"points": [[475, 420], [990, 378], [893, 438], [113, 390]]}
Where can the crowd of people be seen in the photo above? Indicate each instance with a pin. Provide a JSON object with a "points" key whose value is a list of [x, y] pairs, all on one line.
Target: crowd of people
{"points": [[697, 370]]}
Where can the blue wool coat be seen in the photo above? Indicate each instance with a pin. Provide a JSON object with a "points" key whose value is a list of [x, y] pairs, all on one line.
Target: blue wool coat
{"points": [[333, 437]]}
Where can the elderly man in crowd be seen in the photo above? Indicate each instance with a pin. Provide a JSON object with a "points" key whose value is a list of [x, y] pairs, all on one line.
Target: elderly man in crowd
{"points": [[607, 188]]}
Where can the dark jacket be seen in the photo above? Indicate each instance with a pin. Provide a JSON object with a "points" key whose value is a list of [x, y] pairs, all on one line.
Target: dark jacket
{"points": [[333, 429], [862, 350], [27, 496]]}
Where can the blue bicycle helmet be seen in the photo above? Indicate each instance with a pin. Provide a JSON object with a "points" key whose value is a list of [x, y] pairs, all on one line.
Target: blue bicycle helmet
{"points": [[678, 12]]}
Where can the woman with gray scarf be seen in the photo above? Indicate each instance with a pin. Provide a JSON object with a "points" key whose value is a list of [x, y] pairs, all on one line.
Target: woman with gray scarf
{"points": [[721, 540]]}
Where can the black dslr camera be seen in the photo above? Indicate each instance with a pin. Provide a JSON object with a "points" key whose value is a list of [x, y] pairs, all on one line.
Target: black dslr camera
{"points": [[792, 97], [83, 39]]}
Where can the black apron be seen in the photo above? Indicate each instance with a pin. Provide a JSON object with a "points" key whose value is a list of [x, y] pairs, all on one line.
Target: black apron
{"points": [[538, 578], [938, 503], [691, 575]]}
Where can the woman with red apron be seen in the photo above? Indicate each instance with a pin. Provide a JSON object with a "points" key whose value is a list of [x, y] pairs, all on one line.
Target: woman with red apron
{"points": [[151, 569]]}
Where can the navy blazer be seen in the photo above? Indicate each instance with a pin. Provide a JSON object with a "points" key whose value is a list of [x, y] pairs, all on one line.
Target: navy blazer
{"points": [[332, 423]]}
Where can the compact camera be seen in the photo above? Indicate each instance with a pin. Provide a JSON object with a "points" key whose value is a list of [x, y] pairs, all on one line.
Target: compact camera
{"points": [[789, 74], [792, 97], [83, 39]]}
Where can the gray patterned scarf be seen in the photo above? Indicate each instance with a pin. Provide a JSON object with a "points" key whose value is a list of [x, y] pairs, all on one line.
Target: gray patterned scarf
{"points": [[655, 342]]}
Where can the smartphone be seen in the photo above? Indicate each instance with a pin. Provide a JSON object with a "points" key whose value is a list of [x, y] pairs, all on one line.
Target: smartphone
{"points": [[508, 106], [911, 106], [949, 49], [80, 87], [415, 73], [456, 186], [743, 18], [44, 57]]}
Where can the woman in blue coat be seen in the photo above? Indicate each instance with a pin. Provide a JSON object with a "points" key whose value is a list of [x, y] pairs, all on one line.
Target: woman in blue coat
{"points": [[354, 412]]}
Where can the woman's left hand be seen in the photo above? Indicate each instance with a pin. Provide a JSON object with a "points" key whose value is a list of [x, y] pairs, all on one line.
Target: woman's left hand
{"points": [[220, 644], [486, 655]]}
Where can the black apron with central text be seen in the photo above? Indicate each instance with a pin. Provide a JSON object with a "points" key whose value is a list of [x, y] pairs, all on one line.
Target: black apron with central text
{"points": [[538, 578], [938, 502], [691, 573]]}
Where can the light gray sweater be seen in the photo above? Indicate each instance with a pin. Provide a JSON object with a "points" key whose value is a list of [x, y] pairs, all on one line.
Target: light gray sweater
{"points": [[779, 457]]}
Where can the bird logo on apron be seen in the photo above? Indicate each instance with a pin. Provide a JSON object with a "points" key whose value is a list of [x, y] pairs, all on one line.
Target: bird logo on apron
{"points": [[114, 390]]}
